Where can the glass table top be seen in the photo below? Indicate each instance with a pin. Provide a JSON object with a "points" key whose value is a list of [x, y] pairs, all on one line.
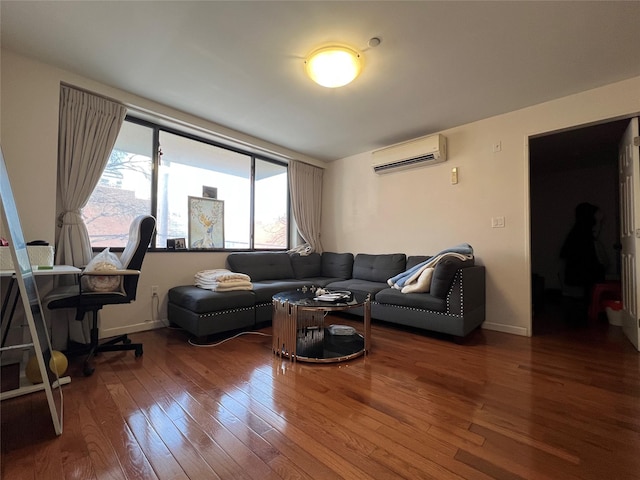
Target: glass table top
{"points": [[325, 299]]}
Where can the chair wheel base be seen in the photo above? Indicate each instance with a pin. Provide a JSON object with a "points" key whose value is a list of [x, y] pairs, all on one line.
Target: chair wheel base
{"points": [[138, 352]]}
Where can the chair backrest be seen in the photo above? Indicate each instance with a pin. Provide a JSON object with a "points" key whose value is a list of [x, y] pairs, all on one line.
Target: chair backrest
{"points": [[140, 234]]}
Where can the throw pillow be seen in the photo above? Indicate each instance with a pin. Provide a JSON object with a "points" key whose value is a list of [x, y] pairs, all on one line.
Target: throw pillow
{"points": [[423, 284]]}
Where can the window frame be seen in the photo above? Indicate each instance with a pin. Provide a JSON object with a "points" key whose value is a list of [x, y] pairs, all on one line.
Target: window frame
{"points": [[155, 164]]}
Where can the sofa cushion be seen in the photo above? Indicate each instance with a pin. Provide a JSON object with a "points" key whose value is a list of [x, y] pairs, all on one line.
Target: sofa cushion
{"points": [[266, 289], [378, 268], [444, 273], [200, 300], [338, 265], [358, 286], [414, 260], [305, 266], [423, 301], [261, 265], [320, 281]]}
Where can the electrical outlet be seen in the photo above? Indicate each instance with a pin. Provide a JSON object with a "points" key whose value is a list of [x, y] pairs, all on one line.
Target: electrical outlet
{"points": [[154, 290], [497, 222]]}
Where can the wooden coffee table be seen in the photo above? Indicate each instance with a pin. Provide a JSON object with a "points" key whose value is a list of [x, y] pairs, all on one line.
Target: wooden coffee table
{"points": [[299, 330]]}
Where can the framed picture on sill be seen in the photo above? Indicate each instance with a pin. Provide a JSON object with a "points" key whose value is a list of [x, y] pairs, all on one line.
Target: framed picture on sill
{"points": [[206, 223], [209, 192], [176, 244]]}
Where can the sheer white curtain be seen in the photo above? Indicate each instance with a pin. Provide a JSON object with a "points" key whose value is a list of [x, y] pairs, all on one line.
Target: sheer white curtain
{"points": [[88, 129], [305, 187]]}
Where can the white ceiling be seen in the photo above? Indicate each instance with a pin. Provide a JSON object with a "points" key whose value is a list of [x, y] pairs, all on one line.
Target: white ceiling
{"points": [[240, 63]]}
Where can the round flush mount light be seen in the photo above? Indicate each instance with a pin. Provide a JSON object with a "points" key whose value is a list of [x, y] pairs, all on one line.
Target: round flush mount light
{"points": [[333, 66]]}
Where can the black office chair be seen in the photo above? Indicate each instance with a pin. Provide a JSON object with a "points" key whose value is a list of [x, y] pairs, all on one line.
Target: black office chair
{"points": [[73, 296]]}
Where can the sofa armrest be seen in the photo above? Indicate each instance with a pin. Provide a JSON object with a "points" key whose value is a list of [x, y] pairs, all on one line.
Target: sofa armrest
{"points": [[467, 293]]}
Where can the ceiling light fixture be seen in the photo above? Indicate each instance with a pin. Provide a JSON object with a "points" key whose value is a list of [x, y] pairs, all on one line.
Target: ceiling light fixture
{"points": [[333, 66]]}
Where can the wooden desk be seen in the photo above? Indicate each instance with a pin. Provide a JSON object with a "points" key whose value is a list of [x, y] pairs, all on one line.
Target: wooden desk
{"points": [[37, 272], [55, 270], [25, 387]]}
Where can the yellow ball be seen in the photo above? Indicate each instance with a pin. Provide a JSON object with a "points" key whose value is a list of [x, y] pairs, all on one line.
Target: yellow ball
{"points": [[58, 362], [32, 371]]}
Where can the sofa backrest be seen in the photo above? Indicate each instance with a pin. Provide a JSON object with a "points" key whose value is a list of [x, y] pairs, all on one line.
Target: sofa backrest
{"points": [[337, 265], [261, 265], [414, 260], [444, 273], [306, 266], [378, 268]]}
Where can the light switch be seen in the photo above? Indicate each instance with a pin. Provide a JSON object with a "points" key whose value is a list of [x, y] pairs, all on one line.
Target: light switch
{"points": [[454, 175]]}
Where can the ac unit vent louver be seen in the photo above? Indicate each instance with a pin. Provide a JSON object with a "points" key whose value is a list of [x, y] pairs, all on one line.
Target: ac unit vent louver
{"points": [[421, 152]]}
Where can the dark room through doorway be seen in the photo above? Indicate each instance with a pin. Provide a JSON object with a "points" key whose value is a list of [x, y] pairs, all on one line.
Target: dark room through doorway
{"points": [[566, 169]]}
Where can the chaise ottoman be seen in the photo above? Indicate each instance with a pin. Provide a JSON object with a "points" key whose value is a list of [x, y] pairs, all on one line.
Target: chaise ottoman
{"points": [[203, 312]]}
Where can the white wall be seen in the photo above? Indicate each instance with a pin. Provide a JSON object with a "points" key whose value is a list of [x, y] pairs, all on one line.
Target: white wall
{"points": [[419, 212]]}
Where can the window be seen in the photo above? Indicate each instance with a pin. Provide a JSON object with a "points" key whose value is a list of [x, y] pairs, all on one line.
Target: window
{"points": [[124, 190], [271, 221], [252, 190]]}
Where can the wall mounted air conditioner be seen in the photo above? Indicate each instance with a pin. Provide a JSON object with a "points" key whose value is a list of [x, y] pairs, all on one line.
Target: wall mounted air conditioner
{"points": [[414, 153]]}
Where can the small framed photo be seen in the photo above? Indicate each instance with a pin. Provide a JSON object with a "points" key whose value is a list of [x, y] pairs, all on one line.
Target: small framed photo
{"points": [[206, 223], [176, 244], [209, 192]]}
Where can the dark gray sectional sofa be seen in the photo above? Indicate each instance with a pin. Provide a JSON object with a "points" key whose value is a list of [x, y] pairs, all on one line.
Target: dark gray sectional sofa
{"points": [[454, 305]]}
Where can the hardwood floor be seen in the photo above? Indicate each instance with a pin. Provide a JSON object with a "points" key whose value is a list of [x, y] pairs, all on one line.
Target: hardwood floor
{"points": [[561, 406]]}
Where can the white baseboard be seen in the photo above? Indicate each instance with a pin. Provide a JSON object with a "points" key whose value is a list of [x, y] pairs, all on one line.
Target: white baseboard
{"points": [[500, 327], [138, 327]]}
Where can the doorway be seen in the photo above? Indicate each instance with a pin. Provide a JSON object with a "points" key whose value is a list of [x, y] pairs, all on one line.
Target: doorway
{"points": [[565, 169]]}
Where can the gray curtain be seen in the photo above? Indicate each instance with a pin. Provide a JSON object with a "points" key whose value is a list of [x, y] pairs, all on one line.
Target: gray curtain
{"points": [[88, 129], [305, 186]]}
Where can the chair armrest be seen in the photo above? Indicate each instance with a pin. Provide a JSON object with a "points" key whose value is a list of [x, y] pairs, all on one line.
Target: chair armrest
{"points": [[100, 273], [122, 273]]}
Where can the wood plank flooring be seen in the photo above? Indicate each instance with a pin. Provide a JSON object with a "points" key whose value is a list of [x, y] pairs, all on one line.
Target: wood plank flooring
{"points": [[561, 406]]}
